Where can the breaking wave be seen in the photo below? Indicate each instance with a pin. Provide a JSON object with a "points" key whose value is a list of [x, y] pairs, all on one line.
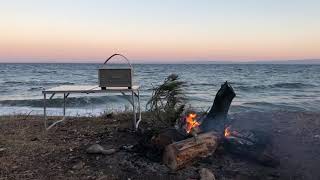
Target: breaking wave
{"points": [[71, 101], [41, 83]]}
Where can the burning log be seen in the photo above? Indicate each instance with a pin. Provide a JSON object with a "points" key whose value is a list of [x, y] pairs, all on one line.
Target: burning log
{"points": [[216, 118], [181, 153], [167, 136]]}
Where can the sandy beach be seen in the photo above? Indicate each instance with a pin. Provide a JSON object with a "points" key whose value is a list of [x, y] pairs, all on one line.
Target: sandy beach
{"points": [[29, 152]]}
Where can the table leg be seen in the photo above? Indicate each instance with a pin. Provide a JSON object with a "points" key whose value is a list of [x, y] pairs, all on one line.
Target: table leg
{"points": [[45, 110], [64, 106], [139, 110], [134, 111]]}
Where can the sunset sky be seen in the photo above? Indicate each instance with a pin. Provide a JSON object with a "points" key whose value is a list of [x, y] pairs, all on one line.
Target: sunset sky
{"points": [[159, 30]]}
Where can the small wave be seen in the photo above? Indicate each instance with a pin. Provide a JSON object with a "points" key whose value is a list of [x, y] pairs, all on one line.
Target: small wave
{"points": [[235, 83], [292, 85], [72, 101], [200, 99], [42, 83], [265, 106], [202, 84], [258, 103], [277, 85], [45, 72], [35, 89]]}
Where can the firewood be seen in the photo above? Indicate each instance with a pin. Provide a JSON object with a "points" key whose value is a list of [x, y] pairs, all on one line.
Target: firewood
{"points": [[181, 153]]}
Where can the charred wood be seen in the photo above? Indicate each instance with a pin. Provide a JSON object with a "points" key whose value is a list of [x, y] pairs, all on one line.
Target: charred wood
{"points": [[252, 145], [216, 118]]}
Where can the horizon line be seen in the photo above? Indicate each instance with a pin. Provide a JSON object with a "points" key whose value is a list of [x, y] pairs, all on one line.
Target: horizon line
{"points": [[289, 61]]}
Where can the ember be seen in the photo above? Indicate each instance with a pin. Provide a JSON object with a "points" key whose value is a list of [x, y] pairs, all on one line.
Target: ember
{"points": [[227, 132], [191, 122]]}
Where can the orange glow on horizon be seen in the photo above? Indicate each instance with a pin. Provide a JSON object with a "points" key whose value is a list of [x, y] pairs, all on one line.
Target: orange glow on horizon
{"points": [[42, 32]]}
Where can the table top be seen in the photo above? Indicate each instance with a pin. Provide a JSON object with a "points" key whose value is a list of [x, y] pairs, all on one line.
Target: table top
{"points": [[87, 89]]}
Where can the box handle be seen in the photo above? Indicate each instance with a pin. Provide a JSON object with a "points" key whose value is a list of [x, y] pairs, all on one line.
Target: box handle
{"points": [[121, 56]]}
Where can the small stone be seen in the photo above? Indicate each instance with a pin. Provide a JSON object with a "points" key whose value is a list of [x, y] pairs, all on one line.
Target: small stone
{"points": [[109, 151], [97, 149], [317, 136], [34, 139], [2, 149], [127, 147], [206, 174], [78, 166]]}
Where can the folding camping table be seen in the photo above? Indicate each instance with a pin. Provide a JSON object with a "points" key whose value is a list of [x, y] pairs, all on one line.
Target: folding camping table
{"points": [[66, 90]]}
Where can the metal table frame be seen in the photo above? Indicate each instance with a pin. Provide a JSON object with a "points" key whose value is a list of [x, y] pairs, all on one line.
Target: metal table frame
{"points": [[66, 90]]}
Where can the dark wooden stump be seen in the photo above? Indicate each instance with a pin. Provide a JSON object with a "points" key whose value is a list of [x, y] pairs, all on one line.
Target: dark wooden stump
{"points": [[217, 116]]}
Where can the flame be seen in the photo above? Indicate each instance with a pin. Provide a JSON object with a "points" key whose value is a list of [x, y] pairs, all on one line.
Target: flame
{"points": [[191, 122], [227, 131]]}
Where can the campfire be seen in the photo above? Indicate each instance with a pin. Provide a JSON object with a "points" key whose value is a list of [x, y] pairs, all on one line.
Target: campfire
{"points": [[209, 132]]}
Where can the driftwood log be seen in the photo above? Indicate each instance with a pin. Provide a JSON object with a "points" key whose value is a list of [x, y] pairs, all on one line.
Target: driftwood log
{"points": [[217, 116], [178, 154]]}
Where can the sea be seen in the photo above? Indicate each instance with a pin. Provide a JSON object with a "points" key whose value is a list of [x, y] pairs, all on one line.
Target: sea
{"points": [[258, 87]]}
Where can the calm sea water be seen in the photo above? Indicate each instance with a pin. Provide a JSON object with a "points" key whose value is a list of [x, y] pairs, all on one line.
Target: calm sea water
{"points": [[258, 87]]}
